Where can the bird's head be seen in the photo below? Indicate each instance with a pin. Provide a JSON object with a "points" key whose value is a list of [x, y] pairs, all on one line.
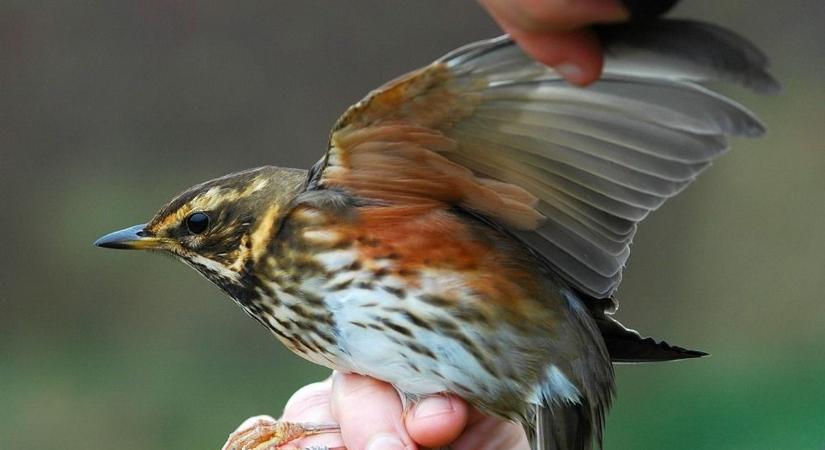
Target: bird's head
{"points": [[211, 226]]}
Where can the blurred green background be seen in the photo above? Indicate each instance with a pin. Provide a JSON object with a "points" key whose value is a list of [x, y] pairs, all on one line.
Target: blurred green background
{"points": [[109, 108]]}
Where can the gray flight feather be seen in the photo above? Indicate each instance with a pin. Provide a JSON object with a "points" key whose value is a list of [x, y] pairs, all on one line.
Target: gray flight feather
{"points": [[600, 159]]}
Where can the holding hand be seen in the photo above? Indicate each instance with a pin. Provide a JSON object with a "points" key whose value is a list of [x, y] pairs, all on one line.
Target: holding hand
{"points": [[555, 32], [371, 417]]}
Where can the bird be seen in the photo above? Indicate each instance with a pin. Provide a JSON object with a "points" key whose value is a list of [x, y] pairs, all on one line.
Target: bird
{"points": [[466, 230]]}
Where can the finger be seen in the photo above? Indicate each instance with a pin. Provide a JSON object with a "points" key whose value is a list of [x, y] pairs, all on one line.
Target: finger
{"points": [[311, 405], [369, 412], [485, 432], [437, 421], [554, 15], [575, 55]]}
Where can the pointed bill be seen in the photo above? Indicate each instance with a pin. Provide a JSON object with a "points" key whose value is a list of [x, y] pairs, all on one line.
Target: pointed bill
{"points": [[132, 238]]}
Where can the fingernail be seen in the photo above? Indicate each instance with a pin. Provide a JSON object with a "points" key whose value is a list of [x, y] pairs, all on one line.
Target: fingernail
{"points": [[385, 442], [569, 70], [433, 406]]}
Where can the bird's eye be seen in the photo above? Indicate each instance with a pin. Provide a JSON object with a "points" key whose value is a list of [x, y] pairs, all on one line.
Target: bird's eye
{"points": [[197, 222]]}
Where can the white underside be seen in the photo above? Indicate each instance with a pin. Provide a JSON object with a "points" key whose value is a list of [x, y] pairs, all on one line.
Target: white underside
{"points": [[376, 352]]}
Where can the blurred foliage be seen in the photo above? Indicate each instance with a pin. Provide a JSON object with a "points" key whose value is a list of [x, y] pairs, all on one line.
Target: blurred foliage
{"points": [[108, 108]]}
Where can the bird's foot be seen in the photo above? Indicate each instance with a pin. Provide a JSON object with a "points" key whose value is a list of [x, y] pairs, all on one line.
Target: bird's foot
{"points": [[267, 434]]}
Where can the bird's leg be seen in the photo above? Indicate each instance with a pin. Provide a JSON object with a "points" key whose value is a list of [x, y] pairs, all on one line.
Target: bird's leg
{"points": [[268, 435]]}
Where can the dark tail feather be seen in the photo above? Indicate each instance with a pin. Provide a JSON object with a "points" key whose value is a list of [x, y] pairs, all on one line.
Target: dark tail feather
{"points": [[564, 427], [626, 345]]}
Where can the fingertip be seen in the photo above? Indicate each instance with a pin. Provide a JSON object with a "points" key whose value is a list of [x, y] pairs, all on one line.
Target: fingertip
{"points": [[369, 412], [313, 398], [577, 73], [576, 56], [437, 421]]}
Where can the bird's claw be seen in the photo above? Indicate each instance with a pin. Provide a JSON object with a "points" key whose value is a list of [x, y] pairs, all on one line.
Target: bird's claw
{"points": [[265, 434]]}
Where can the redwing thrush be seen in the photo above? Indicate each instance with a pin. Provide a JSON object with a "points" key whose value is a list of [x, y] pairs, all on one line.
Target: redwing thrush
{"points": [[468, 225]]}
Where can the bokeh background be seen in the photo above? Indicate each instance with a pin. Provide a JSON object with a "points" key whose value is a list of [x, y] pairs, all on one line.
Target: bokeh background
{"points": [[108, 108]]}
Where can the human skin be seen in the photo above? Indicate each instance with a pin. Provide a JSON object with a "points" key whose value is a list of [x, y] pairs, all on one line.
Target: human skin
{"points": [[371, 418], [554, 32]]}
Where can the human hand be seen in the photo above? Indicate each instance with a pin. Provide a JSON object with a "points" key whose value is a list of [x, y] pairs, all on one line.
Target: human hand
{"points": [[555, 32], [371, 418]]}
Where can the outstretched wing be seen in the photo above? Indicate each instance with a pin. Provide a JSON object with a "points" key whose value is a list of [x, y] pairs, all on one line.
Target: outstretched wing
{"points": [[569, 171]]}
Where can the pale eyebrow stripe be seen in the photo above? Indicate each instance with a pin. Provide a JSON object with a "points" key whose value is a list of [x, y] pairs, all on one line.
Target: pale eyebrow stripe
{"points": [[262, 235]]}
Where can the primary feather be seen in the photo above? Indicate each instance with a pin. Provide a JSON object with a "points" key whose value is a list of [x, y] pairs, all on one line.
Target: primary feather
{"points": [[600, 159]]}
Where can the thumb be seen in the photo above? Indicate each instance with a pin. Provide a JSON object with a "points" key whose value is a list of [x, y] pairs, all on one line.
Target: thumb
{"points": [[369, 412], [437, 421]]}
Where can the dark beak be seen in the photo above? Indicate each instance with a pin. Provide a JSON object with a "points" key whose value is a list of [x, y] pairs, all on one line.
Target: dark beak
{"points": [[132, 238]]}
